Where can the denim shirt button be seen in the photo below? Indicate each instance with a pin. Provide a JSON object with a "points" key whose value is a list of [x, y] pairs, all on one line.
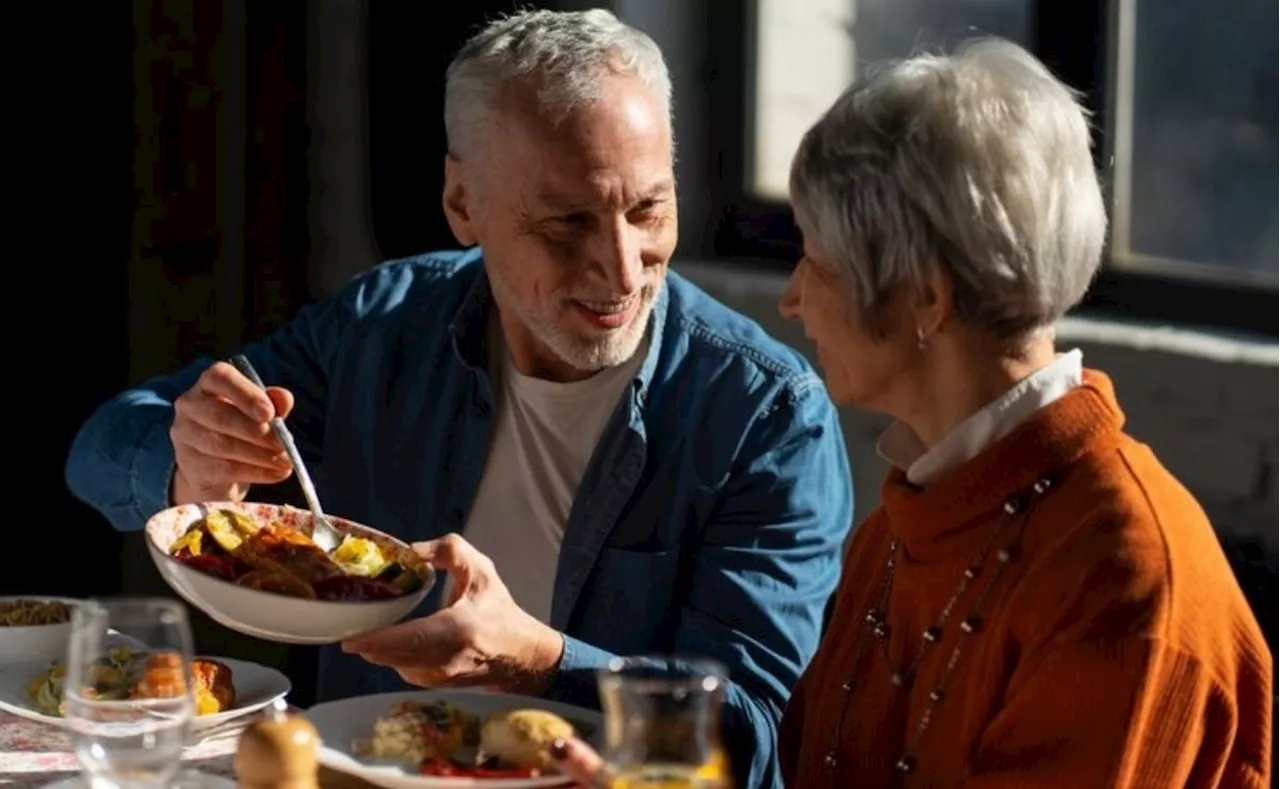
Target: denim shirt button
{"points": [[481, 408]]}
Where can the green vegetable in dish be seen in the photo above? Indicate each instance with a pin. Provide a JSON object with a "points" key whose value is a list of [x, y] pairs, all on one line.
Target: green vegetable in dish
{"points": [[403, 578]]}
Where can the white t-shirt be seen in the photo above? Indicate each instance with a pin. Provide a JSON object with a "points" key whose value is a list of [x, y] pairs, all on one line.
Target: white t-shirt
{"points": [[543, 436]]}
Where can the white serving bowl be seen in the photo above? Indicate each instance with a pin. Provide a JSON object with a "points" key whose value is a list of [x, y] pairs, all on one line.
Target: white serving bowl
{"points": [[267, 615], [35, 643]]}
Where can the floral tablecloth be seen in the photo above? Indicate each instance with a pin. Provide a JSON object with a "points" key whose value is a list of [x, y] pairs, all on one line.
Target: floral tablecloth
{"points": [[36, 754]]}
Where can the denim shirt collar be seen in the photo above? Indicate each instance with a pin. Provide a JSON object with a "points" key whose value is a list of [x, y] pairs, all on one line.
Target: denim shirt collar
{"points": [[469, 330]]}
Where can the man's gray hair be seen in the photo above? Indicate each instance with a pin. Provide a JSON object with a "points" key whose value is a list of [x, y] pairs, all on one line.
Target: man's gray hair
{"points": [[565, 54], [978, 162]]}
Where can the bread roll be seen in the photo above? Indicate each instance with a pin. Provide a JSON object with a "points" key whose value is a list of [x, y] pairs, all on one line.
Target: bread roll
{"points": [[520, 738]]}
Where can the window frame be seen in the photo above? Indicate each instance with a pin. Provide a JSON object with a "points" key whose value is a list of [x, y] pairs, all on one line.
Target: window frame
{"points": [[1080, 48], [1118, 146]]}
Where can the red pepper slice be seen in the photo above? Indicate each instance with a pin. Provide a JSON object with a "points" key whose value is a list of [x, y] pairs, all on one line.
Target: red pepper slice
{"points": [[440, 768], [443, 768], [223, 567]]}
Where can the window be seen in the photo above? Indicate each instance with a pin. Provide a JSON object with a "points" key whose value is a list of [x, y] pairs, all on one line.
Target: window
{"points": [[808, 53], [1184, 101], [1194, 139]]}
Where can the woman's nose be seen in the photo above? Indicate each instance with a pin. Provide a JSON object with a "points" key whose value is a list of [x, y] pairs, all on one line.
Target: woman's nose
{"points": [[789, 303]]}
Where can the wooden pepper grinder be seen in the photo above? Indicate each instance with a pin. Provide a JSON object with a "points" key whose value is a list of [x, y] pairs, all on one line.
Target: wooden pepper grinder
{"points": [[277, 752]]}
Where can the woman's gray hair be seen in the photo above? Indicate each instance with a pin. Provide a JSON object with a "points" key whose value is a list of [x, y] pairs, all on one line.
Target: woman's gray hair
{"points": [[566, 54], [978, 162]]}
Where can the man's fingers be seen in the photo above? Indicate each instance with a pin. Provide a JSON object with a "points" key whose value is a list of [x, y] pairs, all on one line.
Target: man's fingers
{"points": [[455, 556], [225, 381], [417, 677], [201, 468], [281, 399], [219, 416], [378, 646], [228, 447], [466, 569], [407, 644], [577, 760]]}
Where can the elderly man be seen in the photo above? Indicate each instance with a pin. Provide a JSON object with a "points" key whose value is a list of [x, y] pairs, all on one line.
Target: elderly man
{"points": [[635, 468]]}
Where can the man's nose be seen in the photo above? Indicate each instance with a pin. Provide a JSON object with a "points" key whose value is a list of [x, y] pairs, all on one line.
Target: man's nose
{"points": [[619, 260]]}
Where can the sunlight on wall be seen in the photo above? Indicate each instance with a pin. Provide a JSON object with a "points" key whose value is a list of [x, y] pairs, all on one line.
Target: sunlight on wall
{"points": [[804, 59]]}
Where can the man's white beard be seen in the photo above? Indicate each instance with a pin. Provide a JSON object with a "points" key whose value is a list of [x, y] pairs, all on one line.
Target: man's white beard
{"points": [[580, 351]]}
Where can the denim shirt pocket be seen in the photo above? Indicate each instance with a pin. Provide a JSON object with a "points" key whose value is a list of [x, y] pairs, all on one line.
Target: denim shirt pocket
{"points": [[629, 599]]}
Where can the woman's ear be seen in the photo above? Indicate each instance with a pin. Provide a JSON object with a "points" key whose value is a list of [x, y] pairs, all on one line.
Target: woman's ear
{"points": [[932, 308], [459, 203]]}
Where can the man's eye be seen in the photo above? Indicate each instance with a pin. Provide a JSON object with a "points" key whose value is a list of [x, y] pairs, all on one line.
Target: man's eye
{"points": [[646, 211], [578, 220]]}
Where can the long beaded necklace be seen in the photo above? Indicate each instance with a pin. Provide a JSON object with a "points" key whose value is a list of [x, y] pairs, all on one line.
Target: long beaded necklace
{"points": [[1017, 510]]}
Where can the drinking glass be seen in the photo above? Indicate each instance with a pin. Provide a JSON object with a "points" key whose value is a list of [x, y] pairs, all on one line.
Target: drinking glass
{"points": [[127, 695], [662, 723]]}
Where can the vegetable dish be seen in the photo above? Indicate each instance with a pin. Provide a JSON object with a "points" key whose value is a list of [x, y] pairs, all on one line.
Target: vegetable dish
{"points": [[126, 674], [278, 558]]}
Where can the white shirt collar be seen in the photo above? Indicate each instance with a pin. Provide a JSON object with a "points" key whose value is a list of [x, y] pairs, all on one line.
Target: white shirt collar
{"points": [[901, 448]]}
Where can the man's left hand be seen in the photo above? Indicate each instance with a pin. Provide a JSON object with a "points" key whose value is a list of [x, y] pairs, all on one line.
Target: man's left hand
{"points": [[480, 638]]}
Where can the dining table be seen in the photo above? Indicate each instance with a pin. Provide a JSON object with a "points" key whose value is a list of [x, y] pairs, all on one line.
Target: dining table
{"points": [[35, 754]]}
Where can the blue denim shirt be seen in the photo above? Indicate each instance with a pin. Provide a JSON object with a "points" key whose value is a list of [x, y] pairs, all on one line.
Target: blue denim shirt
{"points": [[709, 522]]}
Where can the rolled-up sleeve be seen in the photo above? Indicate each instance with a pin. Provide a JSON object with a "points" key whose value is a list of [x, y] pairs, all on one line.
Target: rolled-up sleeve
{"points": [[121, 462]]}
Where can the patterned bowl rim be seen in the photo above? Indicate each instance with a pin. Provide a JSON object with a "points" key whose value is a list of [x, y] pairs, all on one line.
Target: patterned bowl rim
{"points": [[426, 571]]}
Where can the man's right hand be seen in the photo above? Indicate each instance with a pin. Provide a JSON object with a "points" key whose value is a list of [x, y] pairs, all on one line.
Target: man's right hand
{"points": [[222, 438]]}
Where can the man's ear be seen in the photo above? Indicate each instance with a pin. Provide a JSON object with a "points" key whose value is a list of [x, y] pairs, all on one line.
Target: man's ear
{"points": [[459, 203]]}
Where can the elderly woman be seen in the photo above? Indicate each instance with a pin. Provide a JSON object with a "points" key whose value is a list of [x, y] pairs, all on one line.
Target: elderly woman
{"points": [[1036, 601]]}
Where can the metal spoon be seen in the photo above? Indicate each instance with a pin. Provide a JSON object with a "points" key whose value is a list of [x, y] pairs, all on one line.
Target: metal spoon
{"points": [[323, 533]]}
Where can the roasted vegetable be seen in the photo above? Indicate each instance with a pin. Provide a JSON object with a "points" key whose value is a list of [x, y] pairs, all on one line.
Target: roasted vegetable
{"points": [[288, 551], [218, 565], [229, 528], [126, 675], [191, 542], [401, 577], [360, 556], [278, 582], [350, 588], [285, 560]]}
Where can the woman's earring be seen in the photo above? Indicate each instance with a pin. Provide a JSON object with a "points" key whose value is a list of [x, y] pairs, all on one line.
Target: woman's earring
{"points": [[922, 341]]}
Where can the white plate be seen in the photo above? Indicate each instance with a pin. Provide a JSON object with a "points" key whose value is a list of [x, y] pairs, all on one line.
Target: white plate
{"points": [[186, 779], [256, 687], [341, 723]]}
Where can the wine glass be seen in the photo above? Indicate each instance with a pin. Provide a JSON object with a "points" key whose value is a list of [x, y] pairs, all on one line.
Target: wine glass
{"points": [[663, 723], [127, 696]]}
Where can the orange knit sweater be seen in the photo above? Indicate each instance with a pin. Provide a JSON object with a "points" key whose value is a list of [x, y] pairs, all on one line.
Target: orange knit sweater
{"points": [[1113, 648]]}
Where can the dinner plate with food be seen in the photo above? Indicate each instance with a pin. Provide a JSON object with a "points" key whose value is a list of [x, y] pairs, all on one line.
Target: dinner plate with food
{"points": [[255, 569], [225, 689], [448, 738]]}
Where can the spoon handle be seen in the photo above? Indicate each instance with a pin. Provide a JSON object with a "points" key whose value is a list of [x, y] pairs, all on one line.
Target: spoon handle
{"points": [[286, 438]]}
